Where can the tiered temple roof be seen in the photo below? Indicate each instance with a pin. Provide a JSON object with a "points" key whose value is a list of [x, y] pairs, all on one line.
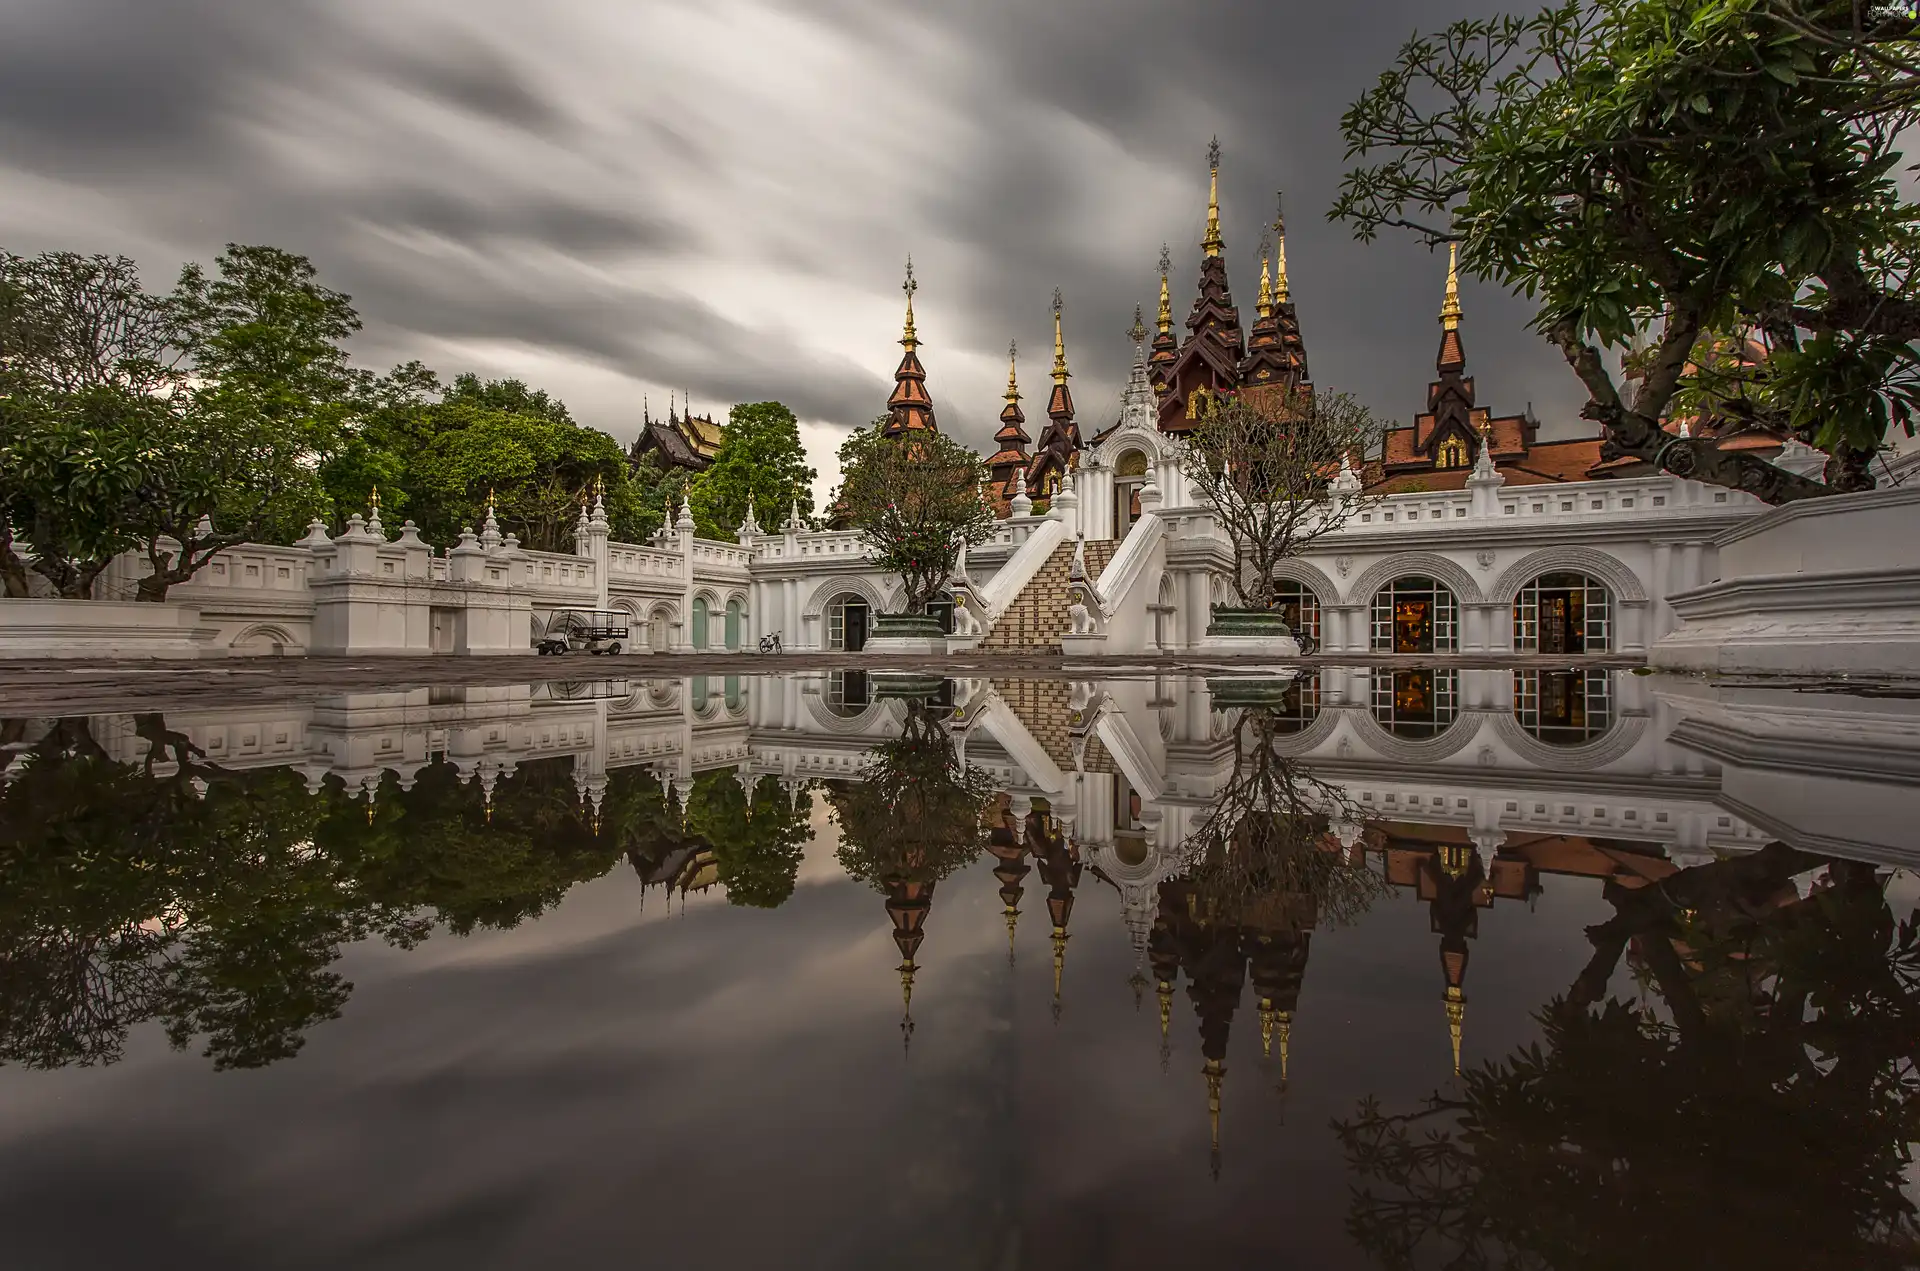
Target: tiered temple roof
{"points": [[1208, 361], [1059, 448], [689, 442], [1011, 459], [910, 409]]}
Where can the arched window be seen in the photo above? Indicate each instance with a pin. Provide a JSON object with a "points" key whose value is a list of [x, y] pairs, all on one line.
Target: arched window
{"points": [[1415, 614], [700, 622], [1416, 704], [735, 694], [733, 623], [1300, 706], [1563, 613], [847, 694], [1299, 607], [847, 620], [1564, 708], [700, 695]]}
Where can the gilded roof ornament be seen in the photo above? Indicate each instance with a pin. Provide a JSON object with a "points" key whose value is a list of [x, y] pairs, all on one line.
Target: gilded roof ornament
{"points": [[907, 336], [1213, 242], [1281, 294], [1166, 303], [1264, 305], [1450, 308], [1013, 383], [1138, 332], [1060, 371]]}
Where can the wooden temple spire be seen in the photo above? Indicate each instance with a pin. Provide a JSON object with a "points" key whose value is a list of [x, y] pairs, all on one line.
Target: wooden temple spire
{"points": [[910, 409]]}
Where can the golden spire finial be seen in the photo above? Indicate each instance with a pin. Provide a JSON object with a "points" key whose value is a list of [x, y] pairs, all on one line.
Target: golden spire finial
{"points": [[1138, 331], [1013, 383], [1214, 1073], [1280, 293], [1166, 304], [376, 502], [1264, 305], [1013, 924], [1450, 308], [1286, 1035], [1456, 1017], [907, 336], [1060, 371], [1212, 242], [1266, 1028]]}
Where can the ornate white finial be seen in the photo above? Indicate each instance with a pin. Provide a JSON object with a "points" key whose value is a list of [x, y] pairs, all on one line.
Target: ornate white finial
{"points": [[1020, 504], [685, 520]]}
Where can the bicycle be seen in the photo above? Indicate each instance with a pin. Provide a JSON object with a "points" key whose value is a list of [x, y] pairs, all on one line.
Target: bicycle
{"points": [[770, 643]]}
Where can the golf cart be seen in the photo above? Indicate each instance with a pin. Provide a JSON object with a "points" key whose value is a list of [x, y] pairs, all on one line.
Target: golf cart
{"points": [[585, 630]]}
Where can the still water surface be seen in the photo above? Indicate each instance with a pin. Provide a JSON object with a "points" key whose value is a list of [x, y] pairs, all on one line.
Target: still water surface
{"points": [[1473, 970]]}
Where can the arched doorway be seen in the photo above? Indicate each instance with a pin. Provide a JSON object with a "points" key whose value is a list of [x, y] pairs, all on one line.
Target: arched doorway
{"points": [[1415, 614], [700, 623], [1564, 708], [658, 634], [1129, 474], [1416, 704], [848, 618], [735, 611], [1563, 613]]}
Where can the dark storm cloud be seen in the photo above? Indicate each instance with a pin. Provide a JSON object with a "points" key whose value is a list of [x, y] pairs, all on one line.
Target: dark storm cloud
{"points": [[611, 200]]}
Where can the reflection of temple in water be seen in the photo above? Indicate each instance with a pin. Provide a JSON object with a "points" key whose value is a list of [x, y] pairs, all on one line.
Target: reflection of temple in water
{"points": [[1466, 787]]}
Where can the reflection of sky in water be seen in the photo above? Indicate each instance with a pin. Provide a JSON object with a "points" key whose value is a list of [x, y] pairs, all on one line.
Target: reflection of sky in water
{"points": [[694, 1084], [722, 1086]]}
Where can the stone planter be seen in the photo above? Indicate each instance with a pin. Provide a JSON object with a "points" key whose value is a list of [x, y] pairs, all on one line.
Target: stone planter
{"points": [[1265, 690], [898, 633], [1249, 633], [907, 685]]}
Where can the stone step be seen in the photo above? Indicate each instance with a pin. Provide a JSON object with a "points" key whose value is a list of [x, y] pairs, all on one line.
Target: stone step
{"points": [[1037, 617]]}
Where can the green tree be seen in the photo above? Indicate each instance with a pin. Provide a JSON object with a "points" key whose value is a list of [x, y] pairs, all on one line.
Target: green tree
{"points": [[92, 380], [915, 500], [537, 471], [272, 390], [510, 397], [760, 460], [1657, 172]]}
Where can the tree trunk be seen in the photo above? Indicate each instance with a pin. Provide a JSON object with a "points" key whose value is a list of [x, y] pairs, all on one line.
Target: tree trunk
{"points": [[153, 588], [1849, 470], [13, 572]]}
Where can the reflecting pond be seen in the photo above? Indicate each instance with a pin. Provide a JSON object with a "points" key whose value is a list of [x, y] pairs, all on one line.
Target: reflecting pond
{"points": [[1366, 968]]}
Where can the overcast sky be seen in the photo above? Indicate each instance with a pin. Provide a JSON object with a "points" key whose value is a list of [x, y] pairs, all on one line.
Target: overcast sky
{"points": [[613, 199]]}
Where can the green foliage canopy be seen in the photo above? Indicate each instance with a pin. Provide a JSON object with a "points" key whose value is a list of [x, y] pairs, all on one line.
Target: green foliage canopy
{"points": [[760, 459], [1664, 173], [915, 500]]}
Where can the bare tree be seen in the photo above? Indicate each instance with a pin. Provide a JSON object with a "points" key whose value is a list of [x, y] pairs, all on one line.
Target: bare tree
{"points": [[1270, 464]]}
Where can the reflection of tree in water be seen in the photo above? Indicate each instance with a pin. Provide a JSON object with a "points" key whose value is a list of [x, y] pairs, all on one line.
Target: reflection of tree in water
{"points": [[1762, 1115], [1276, 857], [916, 816], [217, 901]]}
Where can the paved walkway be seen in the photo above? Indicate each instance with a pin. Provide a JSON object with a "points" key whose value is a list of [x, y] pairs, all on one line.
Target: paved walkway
{"points": [[83, 687]]}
